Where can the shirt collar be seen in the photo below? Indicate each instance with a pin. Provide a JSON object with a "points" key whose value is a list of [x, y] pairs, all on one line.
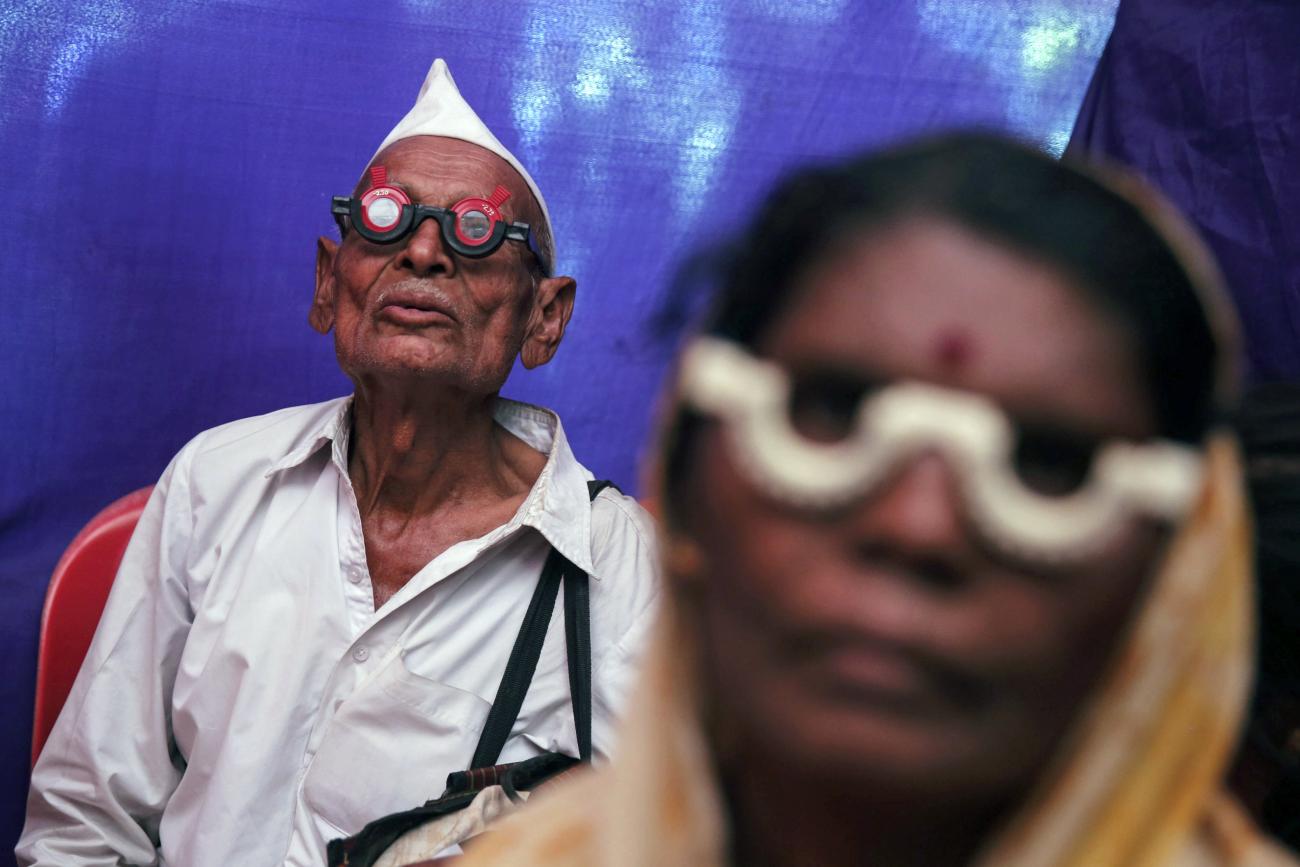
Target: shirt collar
{"points": [[333, 428], [557, 506]]}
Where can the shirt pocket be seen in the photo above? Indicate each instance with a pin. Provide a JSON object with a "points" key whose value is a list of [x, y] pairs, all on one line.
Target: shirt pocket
{"points": [[390, 747]]}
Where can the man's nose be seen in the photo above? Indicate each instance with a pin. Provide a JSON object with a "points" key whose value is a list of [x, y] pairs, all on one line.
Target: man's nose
{"points": [[918, 510], [426, 252]]}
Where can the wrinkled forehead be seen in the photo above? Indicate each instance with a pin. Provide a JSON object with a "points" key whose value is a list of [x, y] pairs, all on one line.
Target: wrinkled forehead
{"points": [[439, 170]]}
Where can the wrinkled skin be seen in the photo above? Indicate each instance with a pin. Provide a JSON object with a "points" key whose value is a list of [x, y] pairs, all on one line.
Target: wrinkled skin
{"points": [[494, 309], [884, 647], [428, 337]]}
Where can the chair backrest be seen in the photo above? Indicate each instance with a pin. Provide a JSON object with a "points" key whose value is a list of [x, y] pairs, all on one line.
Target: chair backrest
{"points": [[73, 603]]}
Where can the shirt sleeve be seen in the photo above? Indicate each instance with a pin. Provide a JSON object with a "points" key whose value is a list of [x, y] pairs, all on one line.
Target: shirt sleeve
{"points": [[625, 557], [110, 764]]}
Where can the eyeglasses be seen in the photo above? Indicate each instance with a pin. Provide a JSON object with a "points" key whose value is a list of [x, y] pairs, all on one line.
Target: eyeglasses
{"points": [[754, 398], [473, 227]]}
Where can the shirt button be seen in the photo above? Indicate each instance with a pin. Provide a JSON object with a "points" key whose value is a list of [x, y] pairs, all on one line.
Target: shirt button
{"points": [[361, 654], [354, 576]]}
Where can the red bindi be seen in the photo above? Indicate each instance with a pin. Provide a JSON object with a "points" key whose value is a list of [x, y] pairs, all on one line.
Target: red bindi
{"points": [[954, 349]]}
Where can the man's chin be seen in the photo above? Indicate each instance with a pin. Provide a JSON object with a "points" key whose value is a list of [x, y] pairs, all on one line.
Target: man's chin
{"points": [[415, 360], [409, 352]]}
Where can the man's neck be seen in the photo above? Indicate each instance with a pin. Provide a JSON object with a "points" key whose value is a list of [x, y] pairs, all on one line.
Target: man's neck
{"points": [[416, 450]]}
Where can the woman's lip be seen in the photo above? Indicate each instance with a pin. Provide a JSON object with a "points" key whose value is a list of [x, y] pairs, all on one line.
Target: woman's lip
{"points": [[416, 317], [863, 668]]}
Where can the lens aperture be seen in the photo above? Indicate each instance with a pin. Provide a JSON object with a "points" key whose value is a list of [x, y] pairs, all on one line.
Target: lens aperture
{"points": [[383, 212], [475, 225]]}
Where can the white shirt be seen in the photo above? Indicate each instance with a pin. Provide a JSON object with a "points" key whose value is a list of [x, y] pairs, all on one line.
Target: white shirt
{"points": [[243, 702]]}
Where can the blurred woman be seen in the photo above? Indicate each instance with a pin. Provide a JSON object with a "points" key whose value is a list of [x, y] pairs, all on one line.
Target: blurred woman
{"points": [[957, 545]]}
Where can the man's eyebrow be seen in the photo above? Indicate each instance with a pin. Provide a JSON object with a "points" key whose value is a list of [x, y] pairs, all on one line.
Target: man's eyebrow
{"points": [[365, 184], [456, 194], [515, 205]]}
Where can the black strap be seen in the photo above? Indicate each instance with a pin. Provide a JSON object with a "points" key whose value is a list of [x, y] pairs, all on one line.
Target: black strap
{"points": [[577, 633], [369, 845], [528, 648]]}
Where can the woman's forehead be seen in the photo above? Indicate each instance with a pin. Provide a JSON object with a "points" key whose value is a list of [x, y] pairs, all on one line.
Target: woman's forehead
{"points": [[931, 301]]}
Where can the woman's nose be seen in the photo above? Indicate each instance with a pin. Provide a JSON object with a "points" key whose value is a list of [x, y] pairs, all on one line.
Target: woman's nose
{"points": [[917, 510]]}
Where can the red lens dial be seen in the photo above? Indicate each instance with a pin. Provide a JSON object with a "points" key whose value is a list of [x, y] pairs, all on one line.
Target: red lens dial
{"points": [[381, 208], [476, 218]]}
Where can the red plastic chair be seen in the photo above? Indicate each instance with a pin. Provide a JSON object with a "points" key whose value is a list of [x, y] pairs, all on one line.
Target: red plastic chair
{"points": [[73, 603]]}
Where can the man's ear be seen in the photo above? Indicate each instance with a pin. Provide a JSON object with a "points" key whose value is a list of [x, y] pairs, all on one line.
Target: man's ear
{"points": [[552, 307], [321, 314]]}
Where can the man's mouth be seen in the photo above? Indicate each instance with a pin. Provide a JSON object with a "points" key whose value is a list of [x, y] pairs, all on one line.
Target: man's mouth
{"points": [[414, 310]]}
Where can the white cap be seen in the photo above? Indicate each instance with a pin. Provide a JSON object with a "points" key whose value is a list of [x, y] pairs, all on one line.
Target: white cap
{"points": [[441, 110]]}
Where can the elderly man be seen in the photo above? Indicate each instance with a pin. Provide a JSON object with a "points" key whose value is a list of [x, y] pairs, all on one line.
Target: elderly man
{"points": [[311, 621]]}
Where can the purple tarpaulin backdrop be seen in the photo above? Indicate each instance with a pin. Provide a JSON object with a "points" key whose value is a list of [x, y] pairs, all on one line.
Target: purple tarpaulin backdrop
{"points": [[1203, 98], [167, 166]]}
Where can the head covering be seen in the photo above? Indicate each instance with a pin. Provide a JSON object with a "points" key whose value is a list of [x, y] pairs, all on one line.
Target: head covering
{"points": [[440, 110], [1138, 782]]}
